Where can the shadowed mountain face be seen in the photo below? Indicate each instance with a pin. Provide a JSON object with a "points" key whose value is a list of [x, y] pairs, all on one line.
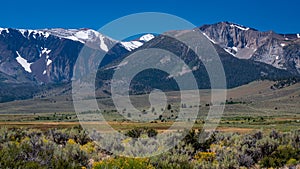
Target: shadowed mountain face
{"points": [[237, 71], [41, 59]]}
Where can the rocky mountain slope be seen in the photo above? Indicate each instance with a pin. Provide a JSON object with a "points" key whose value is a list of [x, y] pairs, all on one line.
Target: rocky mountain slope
{"points": [[37, 59], [237, 71], [279, 50], [34, 61], [48, 56]]}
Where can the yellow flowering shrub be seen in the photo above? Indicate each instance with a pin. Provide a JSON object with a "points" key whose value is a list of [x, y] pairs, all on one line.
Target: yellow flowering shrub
{"points": [[127, 140], [88, 147], [205, 156], [45, 140], [71, 141], [26, 139]]}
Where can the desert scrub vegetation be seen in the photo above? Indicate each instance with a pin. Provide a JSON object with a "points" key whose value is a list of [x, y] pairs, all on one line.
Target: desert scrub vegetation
{"points": [[124, 163], [73, 148], [30, 148]]}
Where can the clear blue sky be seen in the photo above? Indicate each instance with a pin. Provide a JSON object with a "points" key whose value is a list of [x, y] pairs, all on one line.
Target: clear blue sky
{"points": [[280, 16]]}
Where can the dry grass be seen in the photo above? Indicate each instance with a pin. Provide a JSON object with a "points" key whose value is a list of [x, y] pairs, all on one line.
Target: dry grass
{"points": [[280, 107]]}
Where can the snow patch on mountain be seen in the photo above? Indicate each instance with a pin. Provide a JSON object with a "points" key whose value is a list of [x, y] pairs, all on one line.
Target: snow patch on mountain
{"points": [[46, 34], [46, 51], [34, 33], [48, 61], [103, 46], [228, 51], [239, 27], [132, 45], [79, 35], [298, 35], [73, 38], [23, 62], [147, 37], [4, 29], [208, 37], [235, 48], [91, 35], [82, 35]]}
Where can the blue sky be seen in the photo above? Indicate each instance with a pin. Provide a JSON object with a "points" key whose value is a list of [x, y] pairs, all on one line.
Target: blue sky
{"points": [[280, 16]]}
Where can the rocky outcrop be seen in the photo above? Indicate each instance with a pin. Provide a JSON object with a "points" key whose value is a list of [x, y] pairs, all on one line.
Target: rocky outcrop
{"points": [[278, 50]]}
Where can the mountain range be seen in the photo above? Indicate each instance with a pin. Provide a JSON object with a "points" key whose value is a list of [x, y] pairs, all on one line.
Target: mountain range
{"points": [[33, 62]]}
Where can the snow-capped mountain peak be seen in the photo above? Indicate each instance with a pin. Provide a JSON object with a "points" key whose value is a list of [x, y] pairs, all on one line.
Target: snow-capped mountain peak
{"points": [[86, 36], [83, 35]]}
